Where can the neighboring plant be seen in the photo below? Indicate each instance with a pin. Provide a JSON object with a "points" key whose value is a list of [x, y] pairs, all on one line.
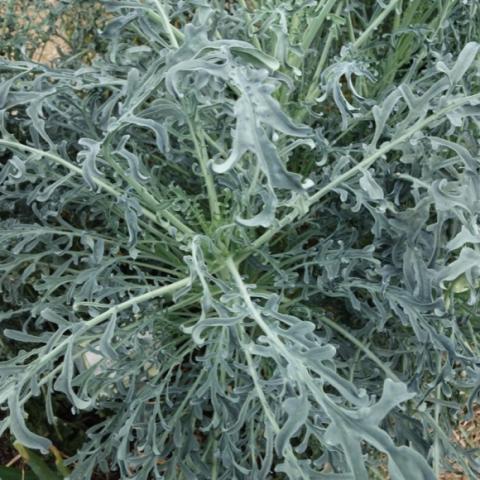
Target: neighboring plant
{"points": [[238, 237], [39, 468], [47, 30]]}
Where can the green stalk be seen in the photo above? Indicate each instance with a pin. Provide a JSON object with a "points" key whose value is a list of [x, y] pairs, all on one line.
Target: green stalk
{"points": [[157, 292], [351, 33], [149, 198], [374, 25], [364, 164], [398, 15], [255, 315], [103, 185], [367, 162], [184, 403], [214, 460], [164, 20], [316, 24], [106, 186], [313, 90], [78, 354], [256, 382], [436, 416], [214, 144], [232, 267], [335, 326], [202, 155], [246, 8], [406, 47]]}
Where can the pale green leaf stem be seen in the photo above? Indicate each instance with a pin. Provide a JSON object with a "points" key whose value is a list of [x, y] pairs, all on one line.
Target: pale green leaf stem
{"points": [[105, 186], [365, 163]]}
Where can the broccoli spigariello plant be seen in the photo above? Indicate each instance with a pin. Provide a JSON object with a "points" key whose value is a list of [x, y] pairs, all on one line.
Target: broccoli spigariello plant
{"points": [[230, 237]]}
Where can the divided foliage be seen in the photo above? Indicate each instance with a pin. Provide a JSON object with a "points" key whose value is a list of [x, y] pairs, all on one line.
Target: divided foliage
{"points": [[241, 237]]}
